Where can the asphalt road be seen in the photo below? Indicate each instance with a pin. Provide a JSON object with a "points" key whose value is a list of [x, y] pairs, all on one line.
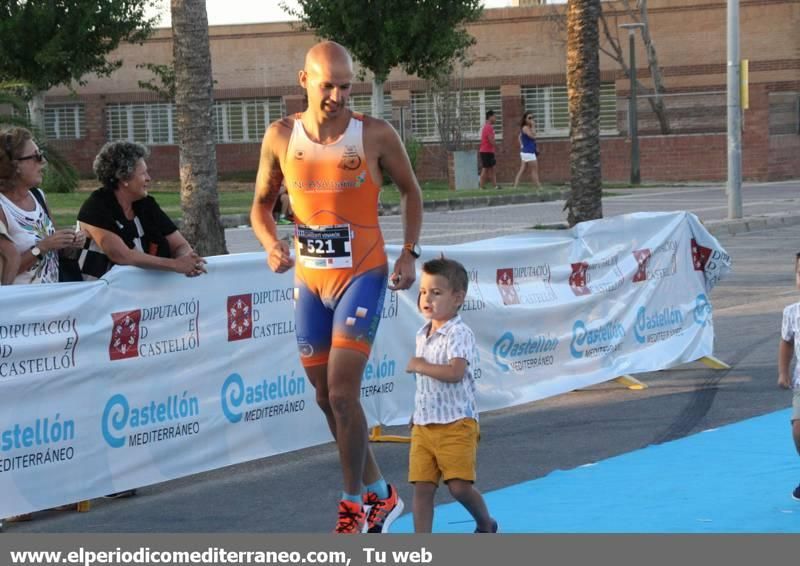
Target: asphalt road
{"points": [[450, 227], [297, 492]]}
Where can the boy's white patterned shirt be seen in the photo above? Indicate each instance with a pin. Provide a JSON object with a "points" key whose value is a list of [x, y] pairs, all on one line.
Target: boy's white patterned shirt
{"points": [[437, 401], [789, 332]]}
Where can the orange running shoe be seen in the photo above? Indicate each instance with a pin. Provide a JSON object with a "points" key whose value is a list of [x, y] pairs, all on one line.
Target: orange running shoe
{"points": [[351, 518], [382, 512]]}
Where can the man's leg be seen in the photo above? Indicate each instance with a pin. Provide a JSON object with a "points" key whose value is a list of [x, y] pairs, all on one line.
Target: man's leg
{"points": [[345, 368], [318, 376], [334, 389], [493, 173]]}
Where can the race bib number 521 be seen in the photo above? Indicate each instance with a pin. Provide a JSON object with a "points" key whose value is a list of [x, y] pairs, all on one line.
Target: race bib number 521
{"points": [[324, 247]]}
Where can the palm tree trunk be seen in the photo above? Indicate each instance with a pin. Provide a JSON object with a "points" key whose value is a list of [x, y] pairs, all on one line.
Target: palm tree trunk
{"points": [[194, 107], [583, 92]]}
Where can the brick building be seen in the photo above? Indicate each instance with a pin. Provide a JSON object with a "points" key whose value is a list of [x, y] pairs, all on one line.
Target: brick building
{"points": [[519, 63]]}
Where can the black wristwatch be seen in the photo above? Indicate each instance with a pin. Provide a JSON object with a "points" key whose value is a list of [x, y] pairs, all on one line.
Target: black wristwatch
{"points": [[413, 249], [36, 251]]}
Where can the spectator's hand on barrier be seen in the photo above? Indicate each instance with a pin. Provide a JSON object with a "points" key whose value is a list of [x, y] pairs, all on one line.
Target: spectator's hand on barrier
{"points": [[279, 258], [58, 240], [784, 382], [191, 264], [404, 273]]}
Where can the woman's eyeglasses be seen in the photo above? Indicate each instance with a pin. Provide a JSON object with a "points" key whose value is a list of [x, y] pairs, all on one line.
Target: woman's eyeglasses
{"points": [[39, 156]]}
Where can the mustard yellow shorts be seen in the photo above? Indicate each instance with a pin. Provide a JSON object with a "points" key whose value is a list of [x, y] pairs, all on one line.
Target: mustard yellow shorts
{"points": [[444, 451]]}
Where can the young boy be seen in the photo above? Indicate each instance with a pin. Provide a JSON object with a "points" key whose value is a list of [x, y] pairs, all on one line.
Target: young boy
{"points": [[790, 344], [444, 434]]}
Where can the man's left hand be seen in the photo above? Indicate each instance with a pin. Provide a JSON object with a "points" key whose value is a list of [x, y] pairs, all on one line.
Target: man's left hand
{"points": [[404, 273]]}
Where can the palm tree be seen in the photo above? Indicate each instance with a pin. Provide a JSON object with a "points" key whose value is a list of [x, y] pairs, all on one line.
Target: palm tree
{"points": [[583, 92], [194, 105]]}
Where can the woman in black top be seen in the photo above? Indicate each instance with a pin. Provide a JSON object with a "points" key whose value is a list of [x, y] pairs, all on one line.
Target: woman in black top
{"points": [[126, 226]]}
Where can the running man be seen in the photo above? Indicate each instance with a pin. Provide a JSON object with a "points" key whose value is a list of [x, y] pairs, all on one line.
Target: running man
{"points": [[330, 159]]}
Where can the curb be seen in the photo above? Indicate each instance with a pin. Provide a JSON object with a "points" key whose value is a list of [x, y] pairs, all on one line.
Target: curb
{"points": [[751, 224]]}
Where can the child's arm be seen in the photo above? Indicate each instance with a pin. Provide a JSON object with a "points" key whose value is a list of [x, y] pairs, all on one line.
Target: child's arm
{"points": [[785, 353], [452, 372]]}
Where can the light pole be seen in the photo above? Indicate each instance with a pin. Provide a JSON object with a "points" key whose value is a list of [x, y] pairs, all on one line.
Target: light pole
{"points": [[734, 114], [633, 118]]}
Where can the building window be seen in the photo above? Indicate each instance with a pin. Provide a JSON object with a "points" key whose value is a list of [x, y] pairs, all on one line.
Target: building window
{"points": [[64, 121], [245, 121], [363, 103], [549, 107], [469, 106], [151, 124], [61, 121]]}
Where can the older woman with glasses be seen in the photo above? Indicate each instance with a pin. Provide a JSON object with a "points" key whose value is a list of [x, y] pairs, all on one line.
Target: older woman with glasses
{"points": [[528, 152], [24, 214], [126, 226]]}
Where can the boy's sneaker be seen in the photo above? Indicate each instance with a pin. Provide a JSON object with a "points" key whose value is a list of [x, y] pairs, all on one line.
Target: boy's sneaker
{"points": [[351, 518], [796, 493], [494, 528], [382, 512]]}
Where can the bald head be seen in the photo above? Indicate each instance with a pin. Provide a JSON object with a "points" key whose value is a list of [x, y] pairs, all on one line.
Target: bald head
{"points": [[327, 55], [327, 78]]}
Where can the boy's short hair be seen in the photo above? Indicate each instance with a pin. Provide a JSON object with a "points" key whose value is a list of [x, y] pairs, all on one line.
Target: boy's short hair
{"points": [[450, 269], [489, 114]]}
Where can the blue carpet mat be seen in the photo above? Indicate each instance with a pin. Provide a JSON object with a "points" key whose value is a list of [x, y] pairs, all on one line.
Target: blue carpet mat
{"points": [[734, 479]]}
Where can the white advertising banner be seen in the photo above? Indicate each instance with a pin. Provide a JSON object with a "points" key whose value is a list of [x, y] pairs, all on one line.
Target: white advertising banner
{"points": [[143, 376]]}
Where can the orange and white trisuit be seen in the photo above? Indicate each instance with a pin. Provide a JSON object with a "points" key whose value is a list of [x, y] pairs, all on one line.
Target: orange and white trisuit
{"points": [[341, 267]]}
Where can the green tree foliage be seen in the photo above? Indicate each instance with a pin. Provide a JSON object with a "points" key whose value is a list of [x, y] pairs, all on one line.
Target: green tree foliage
{"points": [[47, 43], [59, 176], [421, 37], [163, 83], [53, 42]]}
